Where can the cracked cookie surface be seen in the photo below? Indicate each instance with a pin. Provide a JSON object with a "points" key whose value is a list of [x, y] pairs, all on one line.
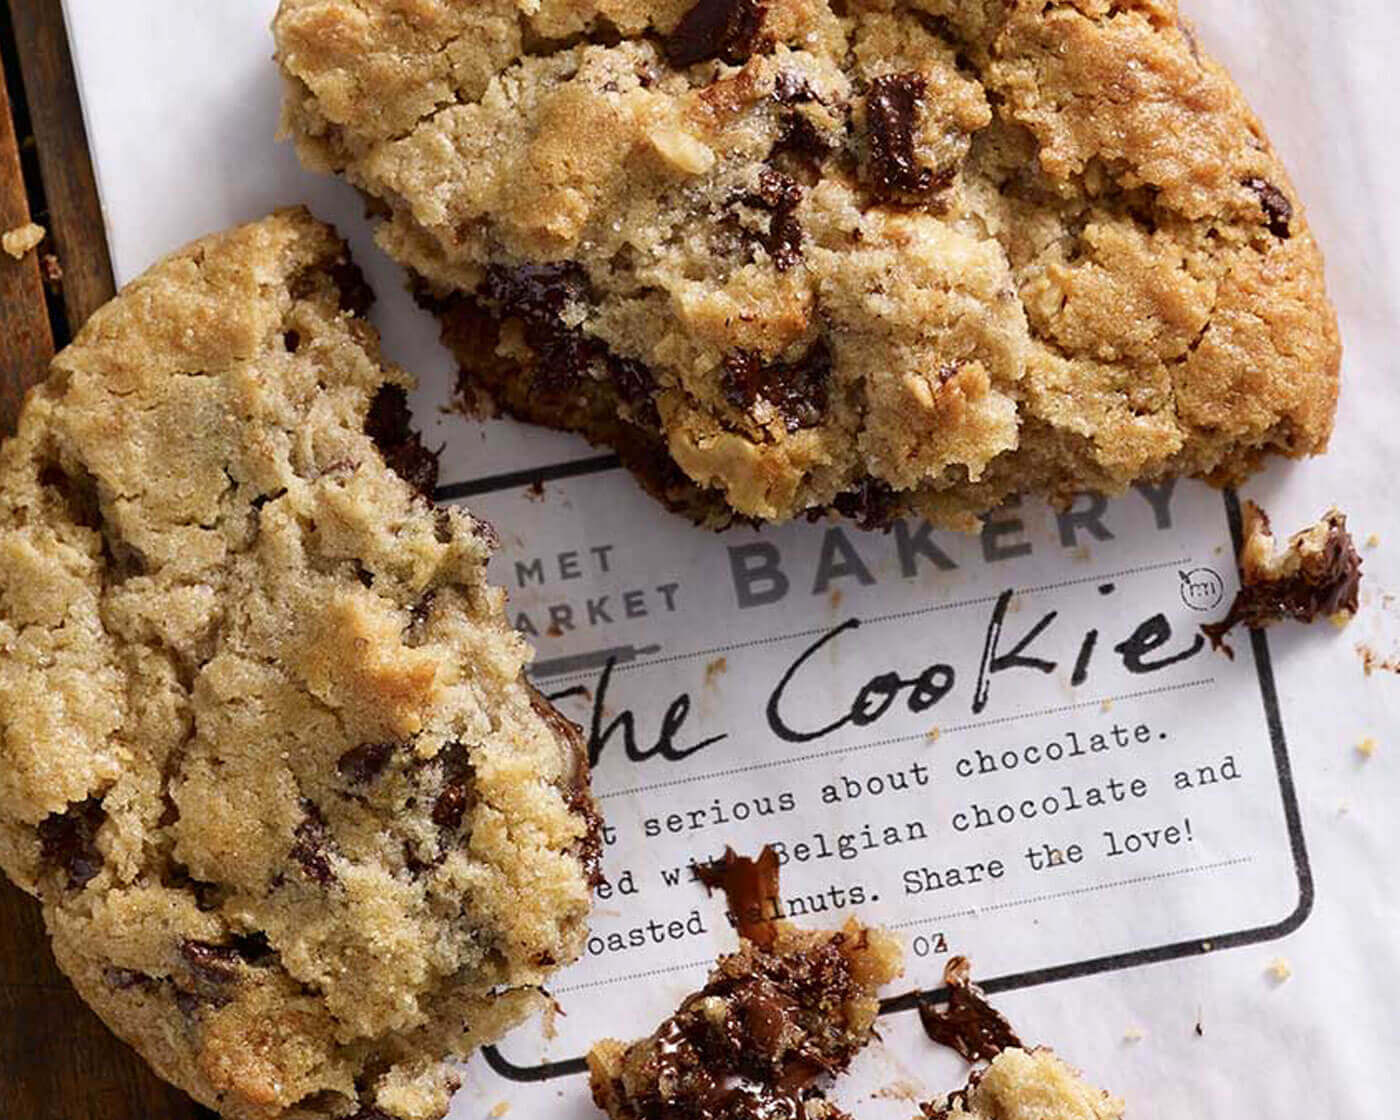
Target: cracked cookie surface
{"points": [[795, 255], [300, 828]]}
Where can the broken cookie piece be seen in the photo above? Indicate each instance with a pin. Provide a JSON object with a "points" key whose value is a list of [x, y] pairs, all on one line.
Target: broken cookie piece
{"points": [[1318, 575], [759, 1040], [302, 832], [1026, 1085], [871, 258]]}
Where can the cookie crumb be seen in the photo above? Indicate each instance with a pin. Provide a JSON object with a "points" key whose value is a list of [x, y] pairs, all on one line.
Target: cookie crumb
{"points": [[1366, 748], [715, 669], [1373, 541], [22, 239], [1279, 970], [1317, 575], [1134, 1034], [934, 734], [499, 1110]]}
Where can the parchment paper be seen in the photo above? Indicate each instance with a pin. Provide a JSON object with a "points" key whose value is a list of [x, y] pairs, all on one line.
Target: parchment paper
{"points": [[1222, 819]]}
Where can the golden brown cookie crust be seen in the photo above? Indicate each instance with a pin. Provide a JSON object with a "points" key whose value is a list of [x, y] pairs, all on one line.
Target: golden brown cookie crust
{"points": [[908, 257], [1027, 1085], [300, 829]]}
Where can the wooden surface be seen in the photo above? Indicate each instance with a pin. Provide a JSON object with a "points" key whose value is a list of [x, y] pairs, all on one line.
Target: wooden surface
{"points": [[57, 1060]]}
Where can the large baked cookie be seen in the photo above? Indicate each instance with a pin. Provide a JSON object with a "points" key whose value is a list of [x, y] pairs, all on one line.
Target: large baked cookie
{"points": [[300, 828], [786, 255]]}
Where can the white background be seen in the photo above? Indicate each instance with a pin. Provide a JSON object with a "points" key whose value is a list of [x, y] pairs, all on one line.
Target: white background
{"points": [[181, 100]]}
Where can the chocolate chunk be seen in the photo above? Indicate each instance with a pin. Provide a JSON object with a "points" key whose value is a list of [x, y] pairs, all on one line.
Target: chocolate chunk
{"points": [[1277, 209], [309, 847], [892, 109], [800, 138], [291, 340], [780, 196], [68, 841], [798, 390], [211, 964], [389, 424], [968, 1024], [538, 295], [872, 504], [1318, 576], [750, 886], [361, 765], [458, 780], [725, 29]]}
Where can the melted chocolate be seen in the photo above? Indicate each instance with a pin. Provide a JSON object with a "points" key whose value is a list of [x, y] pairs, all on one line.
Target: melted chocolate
{"points": [[749, 886], [576, 786], [798, 390], [538, 296], [892, 109], [1326, 583], [389, 424], [1277, 209], [968, 1024], [725, 29], [782, 1031], [68, 841]]}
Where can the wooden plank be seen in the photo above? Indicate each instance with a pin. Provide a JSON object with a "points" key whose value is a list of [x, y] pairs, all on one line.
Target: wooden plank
{"points": [[24, 318], [70, 187]]}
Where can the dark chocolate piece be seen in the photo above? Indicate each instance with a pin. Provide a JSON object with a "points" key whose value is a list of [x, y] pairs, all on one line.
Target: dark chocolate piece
{"points": [[800, 138], [389, 424], [798, 390], [212, 964], [780, 1034], [872, 504], [1276, 206], [458, 782], [749, 886], [361, 765], [538, 295], [892, 111], [725, 29], [309, 846], [780, 196], [68, 840], [1326, 582], [968, 1024]]}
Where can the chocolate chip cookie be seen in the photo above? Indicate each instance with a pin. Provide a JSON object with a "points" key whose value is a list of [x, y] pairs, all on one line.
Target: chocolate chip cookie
{"points": [[773, 1021], [799, 255], [300, 828]]}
